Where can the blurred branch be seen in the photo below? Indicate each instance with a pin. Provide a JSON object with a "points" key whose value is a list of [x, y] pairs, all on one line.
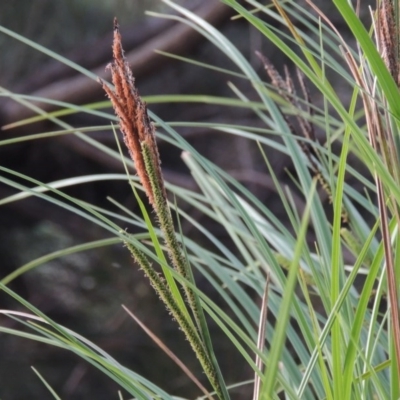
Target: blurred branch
{"points": [[177, 39]]}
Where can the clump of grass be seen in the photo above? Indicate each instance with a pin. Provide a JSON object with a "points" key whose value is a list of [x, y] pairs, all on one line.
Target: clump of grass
{"points": [[350, 347]]}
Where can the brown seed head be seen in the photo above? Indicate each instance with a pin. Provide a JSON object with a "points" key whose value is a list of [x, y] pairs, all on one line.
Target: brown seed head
{"points": [[135, 123]]}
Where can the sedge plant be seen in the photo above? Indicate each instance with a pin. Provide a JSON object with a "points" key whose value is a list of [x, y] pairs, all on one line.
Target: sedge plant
{"points": [[343, 343]]}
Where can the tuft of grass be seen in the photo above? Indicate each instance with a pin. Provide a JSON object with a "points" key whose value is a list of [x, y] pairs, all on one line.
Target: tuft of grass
{"points": [[325, 336]]}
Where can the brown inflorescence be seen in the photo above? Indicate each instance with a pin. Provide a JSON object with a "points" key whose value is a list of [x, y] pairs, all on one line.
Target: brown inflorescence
{"points": [[131, 110]]}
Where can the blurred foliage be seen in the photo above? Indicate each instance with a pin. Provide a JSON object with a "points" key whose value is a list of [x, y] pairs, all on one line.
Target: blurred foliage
{"points": [[60, 26]]}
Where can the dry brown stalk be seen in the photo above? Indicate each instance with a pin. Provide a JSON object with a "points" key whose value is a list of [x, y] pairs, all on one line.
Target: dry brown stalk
{"points": [[381, 139], [131, 110], [159, 342], [388, 43]]}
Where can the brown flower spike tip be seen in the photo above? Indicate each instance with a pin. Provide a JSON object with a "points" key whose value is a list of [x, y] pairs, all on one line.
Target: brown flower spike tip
{"points": [[135, 123]]}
